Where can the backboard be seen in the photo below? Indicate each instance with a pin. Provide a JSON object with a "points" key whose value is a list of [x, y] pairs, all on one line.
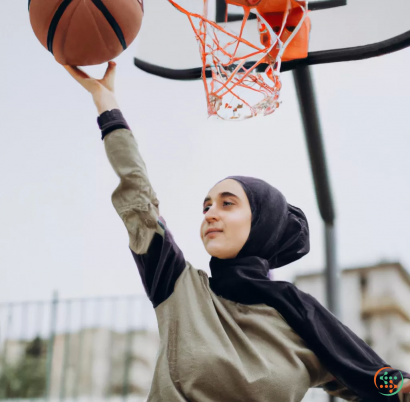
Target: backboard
{"points": [[166, 45], [241, 54]]}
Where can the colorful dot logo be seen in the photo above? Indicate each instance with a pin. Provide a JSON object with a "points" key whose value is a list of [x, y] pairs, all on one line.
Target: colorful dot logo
{"points": [[387, 383]]}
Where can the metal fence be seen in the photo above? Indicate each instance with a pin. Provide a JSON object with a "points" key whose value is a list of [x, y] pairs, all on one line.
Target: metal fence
{"points": [[81, 350], [75, 348]]}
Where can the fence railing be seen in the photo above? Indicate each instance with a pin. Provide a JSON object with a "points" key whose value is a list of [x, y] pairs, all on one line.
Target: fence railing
{"points": [[81, 350], [74, 348]]}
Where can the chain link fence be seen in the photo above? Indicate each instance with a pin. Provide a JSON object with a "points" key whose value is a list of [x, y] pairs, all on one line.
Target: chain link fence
{"points": [[78, 349], [81, 350]]}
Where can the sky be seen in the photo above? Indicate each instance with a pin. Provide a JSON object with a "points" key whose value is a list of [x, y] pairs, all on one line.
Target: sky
{"points": [[58, 228]]}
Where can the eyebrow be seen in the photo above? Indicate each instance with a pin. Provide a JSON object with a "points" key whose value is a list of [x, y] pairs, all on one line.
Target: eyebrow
{"points": [[222, 195]]}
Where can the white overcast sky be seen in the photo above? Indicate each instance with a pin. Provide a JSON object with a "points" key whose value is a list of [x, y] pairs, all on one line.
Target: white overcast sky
{"points": [[58, 228]]}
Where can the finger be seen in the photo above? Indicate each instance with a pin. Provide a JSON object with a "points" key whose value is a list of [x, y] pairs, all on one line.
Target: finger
{"points": [[109, 76], [111, 66], [76, 72], [89, 83]]}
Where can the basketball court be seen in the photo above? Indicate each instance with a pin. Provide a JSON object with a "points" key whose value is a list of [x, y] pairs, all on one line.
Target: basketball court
{"points": [[350, 168]]}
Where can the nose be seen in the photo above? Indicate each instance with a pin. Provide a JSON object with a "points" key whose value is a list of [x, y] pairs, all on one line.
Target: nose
{"points": [[212, 214]]}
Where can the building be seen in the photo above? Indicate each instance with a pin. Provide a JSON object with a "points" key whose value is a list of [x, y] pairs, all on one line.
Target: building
{"points": [[94, 363], [375, 304]]}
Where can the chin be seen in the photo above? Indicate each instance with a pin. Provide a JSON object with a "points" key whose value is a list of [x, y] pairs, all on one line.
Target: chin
{"points": [[214, 250], [218, 251]]}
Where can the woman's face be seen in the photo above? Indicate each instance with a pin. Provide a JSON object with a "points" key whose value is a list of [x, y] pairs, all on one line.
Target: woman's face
{"points": [[227, 220]]}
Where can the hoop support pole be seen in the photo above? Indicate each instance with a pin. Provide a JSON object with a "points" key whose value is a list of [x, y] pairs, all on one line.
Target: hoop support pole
{"points": [[313, 134]]}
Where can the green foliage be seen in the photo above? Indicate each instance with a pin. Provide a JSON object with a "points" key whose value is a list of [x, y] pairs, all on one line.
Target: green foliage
{"points": [[27, 378]]}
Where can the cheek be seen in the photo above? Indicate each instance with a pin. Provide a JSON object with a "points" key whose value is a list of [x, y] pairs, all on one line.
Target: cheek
{"points": [[239, 226], [201, 230]]}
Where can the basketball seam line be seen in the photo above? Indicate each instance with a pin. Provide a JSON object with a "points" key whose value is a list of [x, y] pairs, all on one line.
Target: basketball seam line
{"points": [[111, 20], [54, 23], [60, 11]]}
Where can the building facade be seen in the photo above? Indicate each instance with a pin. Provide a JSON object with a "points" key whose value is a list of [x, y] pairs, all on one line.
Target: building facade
{"points": [[375, 305]]}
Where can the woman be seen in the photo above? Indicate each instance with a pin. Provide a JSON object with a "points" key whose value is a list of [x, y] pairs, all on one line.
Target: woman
{"points": [[236, 336]]}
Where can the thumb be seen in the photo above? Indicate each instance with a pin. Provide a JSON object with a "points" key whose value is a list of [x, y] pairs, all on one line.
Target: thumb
{"points": [[109, 76]]}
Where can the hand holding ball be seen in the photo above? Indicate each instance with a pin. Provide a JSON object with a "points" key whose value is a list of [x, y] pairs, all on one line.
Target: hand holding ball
{"points": [[85, 32], [101, 90]]}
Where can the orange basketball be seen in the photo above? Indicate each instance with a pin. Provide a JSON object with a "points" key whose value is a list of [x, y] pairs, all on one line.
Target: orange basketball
{"points": [[85, 32]]}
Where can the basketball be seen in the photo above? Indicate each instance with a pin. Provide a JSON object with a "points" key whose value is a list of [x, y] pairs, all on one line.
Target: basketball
{"points": [[85, 32]]}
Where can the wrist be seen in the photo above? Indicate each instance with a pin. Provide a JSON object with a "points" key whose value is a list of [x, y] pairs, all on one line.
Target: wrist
{"points": [[111, 120], [105, 101]]}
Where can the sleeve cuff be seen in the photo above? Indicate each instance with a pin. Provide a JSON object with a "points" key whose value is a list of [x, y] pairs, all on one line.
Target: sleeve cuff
{"points": [[111, 120]]}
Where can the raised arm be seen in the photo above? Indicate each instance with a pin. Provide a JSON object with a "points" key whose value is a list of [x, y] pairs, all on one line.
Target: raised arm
{"points": [[159, 260], [134, 199]]}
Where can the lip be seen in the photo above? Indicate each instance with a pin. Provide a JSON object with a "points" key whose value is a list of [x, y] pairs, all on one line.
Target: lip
{"points": [[212, 230]]}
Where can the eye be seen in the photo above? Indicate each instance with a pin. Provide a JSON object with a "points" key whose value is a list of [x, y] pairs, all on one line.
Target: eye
{"points": [[225, 203]]}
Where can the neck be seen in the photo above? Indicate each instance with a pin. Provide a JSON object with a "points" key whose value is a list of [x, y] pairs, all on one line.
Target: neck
{"points": [[238, 279], [248, 267]]}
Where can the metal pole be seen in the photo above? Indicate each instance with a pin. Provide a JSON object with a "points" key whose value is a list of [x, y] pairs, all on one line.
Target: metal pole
{"points": [[313, 135], [23, 329], [128, 352], [110, 348], [9, 323], [38, 334], [50, 346], [221, 9], [78, 371], [65, 362], [332, 272]]}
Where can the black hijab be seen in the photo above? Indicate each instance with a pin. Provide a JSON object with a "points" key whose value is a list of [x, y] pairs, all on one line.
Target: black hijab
{"points": [[279, 235]]}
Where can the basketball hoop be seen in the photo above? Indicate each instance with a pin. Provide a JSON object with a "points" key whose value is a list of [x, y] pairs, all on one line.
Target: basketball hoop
{"points": [[236, 90]]}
